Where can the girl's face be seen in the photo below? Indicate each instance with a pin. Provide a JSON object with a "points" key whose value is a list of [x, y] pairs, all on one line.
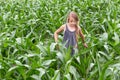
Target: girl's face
{"points": [[72, 21]]}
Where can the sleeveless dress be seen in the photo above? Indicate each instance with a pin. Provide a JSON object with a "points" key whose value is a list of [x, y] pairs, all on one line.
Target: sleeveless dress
{"points": [[69, 39]]}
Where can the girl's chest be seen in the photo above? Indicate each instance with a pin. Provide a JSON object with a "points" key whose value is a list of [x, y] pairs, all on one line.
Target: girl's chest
{"points": [[72, 29]]}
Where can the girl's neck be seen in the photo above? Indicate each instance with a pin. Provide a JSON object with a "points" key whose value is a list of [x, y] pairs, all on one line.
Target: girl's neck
{"points": [[71, 25]]}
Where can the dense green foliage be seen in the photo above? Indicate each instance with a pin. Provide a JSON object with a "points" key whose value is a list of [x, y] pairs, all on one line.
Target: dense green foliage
{"points": [[27, 47]]}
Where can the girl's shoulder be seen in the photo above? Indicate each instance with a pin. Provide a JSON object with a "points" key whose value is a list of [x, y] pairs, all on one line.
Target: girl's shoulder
{"points": [[79, 28], [63, 26]]}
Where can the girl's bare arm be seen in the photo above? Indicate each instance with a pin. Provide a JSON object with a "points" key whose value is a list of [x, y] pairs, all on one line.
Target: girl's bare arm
{"points": [[81, 35], [83, 38], [57, 32]]}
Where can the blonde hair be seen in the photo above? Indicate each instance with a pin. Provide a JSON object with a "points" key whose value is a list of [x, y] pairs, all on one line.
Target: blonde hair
{"points": [[75, 16]]}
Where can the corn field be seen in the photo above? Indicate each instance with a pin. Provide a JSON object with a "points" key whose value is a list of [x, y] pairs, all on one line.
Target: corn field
{"points": [[28, 50]]}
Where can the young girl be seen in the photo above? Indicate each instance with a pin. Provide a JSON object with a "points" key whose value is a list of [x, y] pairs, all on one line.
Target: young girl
{"points": [[71, 32]]}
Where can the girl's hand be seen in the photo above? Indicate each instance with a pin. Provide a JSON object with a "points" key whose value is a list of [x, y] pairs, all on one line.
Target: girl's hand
{"points": [[57, 46], [85, 45]]}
